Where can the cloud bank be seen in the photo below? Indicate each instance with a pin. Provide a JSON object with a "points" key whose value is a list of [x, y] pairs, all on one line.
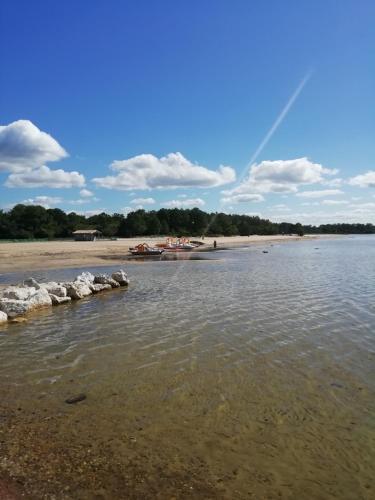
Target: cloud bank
{"points": [[24, 150], [146, 171], [188, 203], [364, 180], [45, 177], [280, 176]]}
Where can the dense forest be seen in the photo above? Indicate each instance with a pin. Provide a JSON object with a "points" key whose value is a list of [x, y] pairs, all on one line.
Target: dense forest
{"points": [[29, 221]]}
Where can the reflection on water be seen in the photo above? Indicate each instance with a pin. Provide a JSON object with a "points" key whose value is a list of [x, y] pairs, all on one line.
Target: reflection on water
{"points": [[251, 376]]}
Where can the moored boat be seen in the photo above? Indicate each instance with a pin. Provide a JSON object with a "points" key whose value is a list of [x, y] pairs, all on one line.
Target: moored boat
{"points": [[145, 249]]}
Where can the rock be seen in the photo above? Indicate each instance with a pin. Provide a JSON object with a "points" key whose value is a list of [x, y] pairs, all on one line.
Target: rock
{"points": [[104, 279], [54, 288], [3, 317], [76, 399], [121, 277], [32, 283], [40, 299], [14, 308], [56, 300], [97, 287], [86, 278], [18, 320], [18, 293], [77, 290]]}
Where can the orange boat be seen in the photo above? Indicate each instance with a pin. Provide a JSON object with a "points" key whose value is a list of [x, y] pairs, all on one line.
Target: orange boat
{"points": [[145, 249]]}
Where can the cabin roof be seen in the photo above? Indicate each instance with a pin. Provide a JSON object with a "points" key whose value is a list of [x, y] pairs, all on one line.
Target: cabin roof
{"points": [[86, 231]]}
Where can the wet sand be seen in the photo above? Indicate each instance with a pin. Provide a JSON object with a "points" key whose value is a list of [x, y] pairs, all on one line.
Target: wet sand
{"points": [[68, 254]]}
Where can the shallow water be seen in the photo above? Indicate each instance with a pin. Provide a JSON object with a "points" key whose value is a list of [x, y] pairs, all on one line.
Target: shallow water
{"points": [[247, 375]]}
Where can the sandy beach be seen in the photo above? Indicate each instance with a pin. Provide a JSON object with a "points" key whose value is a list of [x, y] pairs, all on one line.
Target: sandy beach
{"points": [[64, 254]]}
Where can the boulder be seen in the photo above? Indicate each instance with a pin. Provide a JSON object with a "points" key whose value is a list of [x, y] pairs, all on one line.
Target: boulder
{"points": [[3, 317], [32, 282], [13, 308], [77, 290], [57, 300], [16, 301], [104, 279], [97, 287], [121, 277], [86, 277], [18, 293], [40, 299], [54, 288]]}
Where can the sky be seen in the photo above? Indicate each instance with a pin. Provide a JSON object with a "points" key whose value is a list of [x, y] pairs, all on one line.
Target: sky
{"points": [[263, 108]]}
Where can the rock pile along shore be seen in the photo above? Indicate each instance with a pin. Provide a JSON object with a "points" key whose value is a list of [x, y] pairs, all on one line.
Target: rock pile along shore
{"points": [[30, 295]]}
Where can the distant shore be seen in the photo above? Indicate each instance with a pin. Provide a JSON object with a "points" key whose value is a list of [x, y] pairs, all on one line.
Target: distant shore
{"points": [[63, 254]]}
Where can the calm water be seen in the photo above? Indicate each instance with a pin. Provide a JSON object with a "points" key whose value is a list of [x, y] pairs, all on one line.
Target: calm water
{"points": [[243, 375]]}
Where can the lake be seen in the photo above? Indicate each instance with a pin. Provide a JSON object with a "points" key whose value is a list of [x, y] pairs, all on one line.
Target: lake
{"points": [[241, 375]]}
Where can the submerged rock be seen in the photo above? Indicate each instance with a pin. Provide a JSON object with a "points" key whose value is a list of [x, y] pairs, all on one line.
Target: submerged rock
{"points": [[121, 277], [76, 399], [56, 300], [3, 317], [104, 279]]}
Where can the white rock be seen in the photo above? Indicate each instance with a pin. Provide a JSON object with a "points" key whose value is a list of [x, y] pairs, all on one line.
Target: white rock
{"points": [[104, 279], [32, 283], [77, 290], [54, 288], [40, 299], [18, 293], [57, 300], [121, 277], [14, 308], [3, 317], [97, 287], [86, 277]]}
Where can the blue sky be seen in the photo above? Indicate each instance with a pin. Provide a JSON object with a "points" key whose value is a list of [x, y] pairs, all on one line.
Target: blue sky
{"points": [[262, 107]]}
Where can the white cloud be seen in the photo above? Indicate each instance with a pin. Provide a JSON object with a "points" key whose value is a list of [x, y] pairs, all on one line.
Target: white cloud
{"points": [[320, 217], [86, 193], [23, 147], [281, 208], [363, 180], [364, 206], [90, 213], [334, 202], [43, 201], [320, 194], [143, 201], [336, 182], [146, 171], [243, 198], [188, 203], [183, 195], [281, 176], [45, 177]]}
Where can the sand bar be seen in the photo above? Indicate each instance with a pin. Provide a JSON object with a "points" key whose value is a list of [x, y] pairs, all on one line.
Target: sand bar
{"points": [[63, 254]]}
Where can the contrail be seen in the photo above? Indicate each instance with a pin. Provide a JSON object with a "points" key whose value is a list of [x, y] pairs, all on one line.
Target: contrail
{"points": [[276, 124], [262, 145]]}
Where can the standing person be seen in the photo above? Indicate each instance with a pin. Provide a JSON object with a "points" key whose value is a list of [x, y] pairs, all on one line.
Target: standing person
{"points": [[215, 244]]}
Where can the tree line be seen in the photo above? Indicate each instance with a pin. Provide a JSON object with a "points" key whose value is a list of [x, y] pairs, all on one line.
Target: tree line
{"points": [[36, 222]]}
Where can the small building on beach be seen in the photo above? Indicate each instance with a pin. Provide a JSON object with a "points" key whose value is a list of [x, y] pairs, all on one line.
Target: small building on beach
{"points": [[86, 234]]}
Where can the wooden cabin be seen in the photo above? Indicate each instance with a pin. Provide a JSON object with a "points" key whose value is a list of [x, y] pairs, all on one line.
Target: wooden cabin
{"points": [[86, 234]]}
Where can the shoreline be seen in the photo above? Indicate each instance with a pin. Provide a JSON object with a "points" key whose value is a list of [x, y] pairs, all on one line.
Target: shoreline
{"points": [[35, 256]]}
